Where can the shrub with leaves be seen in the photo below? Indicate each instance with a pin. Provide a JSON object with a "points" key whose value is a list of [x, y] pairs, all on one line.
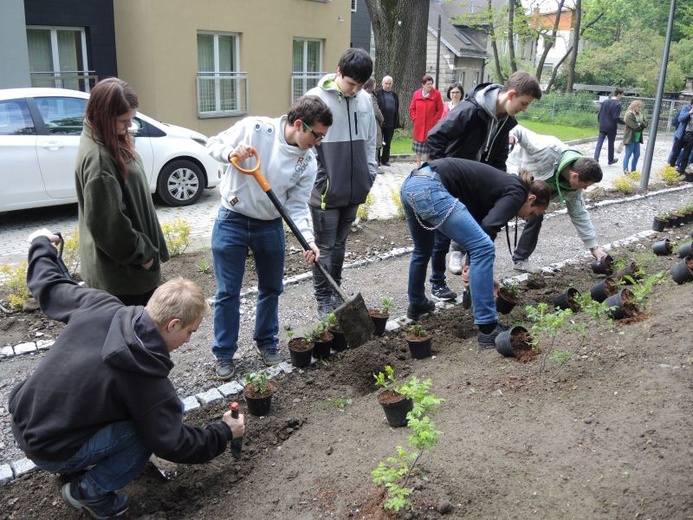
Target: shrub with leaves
{"points": [[258, 382], [14, 285], [177, 234], [670, 175], [397, 201], [71, 251], [364, 209], [394, 473], [624, 183]]}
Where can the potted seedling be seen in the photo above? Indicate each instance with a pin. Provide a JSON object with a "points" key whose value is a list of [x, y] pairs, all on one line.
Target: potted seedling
{"points": [[605, 265], [661, 221], [419, 341], [663, 247], [683, 271], [570, 299], [395, 404], [507, 297], [622, 305], [300, 350], [258, 393], [601, 291], [339, 341], [516, 342], [628, 273], [381, 315], [321, 339]]}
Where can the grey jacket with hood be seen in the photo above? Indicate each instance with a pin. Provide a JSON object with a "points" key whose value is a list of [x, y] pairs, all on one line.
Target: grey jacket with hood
{"points": [[545, 156], [346, 158], [472, 130], [109, 364]]}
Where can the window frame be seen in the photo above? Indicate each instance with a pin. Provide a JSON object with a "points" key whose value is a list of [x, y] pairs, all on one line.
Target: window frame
{"points": [[86, 78], [303, 80]]}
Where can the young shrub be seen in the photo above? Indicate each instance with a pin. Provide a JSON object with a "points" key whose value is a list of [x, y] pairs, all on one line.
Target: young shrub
{"points": [[397, 201], [394, 473], [364, 209], [670, 175], [386, 305], [14, 285], [624, 183], [258, 383], [71, 251], [177, 234]]}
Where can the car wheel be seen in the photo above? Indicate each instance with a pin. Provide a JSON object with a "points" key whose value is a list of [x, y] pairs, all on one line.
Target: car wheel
{"points": [[180, 183]]}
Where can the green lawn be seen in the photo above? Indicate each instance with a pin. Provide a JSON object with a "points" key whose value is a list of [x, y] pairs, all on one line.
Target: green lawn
{"points": [[401, 144]]}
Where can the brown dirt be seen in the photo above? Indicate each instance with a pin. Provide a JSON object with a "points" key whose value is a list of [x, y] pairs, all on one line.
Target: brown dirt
{"points": [[606, 435]]}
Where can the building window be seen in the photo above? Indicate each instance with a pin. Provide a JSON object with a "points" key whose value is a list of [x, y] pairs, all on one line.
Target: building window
{"points": [[221, 87], [354, 5], [307, 64], [58, 58]]}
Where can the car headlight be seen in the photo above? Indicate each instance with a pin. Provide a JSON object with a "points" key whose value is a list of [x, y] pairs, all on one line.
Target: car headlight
{"points": [[199, 138]]}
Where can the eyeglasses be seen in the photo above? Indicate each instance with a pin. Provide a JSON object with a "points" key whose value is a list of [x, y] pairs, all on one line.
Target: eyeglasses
{"points": [[318, 137]]}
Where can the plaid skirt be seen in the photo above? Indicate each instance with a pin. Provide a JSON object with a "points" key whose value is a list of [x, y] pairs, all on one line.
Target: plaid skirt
{"points": [[420, 147]]}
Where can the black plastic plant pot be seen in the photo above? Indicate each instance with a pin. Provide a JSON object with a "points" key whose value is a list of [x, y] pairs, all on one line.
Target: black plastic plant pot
{"points": [[621, 305], [605, 265], [663, 247], [420, 349], [510, 342], [379, 323], [659, 224], [322, 347], [258, 405], [686, 250], [567, 300], [683, 271], [505, 302], [603, 289], [301, 352], [339, 341], [396, 408]]}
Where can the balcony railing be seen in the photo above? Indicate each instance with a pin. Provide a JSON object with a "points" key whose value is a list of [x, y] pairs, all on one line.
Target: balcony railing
{"points": [[302, 82], [83, 80], [222, 94]]}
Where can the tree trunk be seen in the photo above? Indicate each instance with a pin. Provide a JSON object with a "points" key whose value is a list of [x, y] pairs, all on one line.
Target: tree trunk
{"points": [[400, 29], [549, 41], [511, 36], [494, 44], [575, 44]]}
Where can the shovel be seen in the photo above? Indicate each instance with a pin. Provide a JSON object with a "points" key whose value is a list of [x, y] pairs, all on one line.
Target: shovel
{"points": [[352, 315]]}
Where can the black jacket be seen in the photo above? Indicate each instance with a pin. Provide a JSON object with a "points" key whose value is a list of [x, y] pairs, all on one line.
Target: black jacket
{"points": [[609, 116], [380, 97], [470, 131], [109, 364], [491, 196]]}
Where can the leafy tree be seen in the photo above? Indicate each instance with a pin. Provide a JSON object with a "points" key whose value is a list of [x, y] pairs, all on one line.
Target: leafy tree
{"points": [[400, 28]]}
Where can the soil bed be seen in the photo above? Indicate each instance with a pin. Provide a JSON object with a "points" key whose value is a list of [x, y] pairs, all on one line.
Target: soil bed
{"points": [[604, 436]]}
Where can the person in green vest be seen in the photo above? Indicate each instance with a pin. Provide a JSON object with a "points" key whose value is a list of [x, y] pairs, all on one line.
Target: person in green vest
{"points": [[567, 172]]}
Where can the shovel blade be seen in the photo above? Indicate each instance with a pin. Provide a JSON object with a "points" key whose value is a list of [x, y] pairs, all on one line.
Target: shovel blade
{"points": [[354, 320]]}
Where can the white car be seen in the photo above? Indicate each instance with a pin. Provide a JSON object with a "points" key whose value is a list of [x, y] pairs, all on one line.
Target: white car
{"points": [[39, 138]]}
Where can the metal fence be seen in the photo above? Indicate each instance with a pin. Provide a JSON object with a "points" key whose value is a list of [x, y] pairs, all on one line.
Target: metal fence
{"points": [[222, 94], [82, 80]]}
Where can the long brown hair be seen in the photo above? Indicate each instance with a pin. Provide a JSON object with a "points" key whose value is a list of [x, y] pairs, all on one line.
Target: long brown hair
{"points": [[108, 100], [536, 187]]}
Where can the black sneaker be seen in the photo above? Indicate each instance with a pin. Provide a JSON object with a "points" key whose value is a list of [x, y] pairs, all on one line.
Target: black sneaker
{"points": [[443, 293], [109, 505], [613, 162], [415, 313], [488, 341], [270, 356], [225, 369]]}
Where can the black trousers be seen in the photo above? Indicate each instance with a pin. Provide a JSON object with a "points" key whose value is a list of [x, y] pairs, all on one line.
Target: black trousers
{"points": [[387, 140], [610, 137]]}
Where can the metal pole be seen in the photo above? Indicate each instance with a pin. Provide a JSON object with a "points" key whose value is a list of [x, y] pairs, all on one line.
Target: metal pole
{"points": [[438, 53], [649, 152]]}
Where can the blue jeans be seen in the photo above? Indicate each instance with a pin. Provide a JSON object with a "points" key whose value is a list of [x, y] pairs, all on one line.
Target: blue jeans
{"points": [[116, 453], [632, 149], [610, 137], [331, 228], [426, 197], [441, 245], [233, 235]]}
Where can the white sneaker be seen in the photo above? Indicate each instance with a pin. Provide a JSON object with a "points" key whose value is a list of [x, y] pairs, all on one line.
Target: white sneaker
{"points": [[526, 266], [455, 262]]}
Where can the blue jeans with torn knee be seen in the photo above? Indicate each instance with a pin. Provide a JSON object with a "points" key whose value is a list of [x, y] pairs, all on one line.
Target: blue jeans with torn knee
{"points": [[425, 197]]}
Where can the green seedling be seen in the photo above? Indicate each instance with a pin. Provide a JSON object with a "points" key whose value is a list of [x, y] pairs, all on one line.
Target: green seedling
{"points": [[258, 382], [386, 304], [342, 403], [204, 267], [418, 331]]}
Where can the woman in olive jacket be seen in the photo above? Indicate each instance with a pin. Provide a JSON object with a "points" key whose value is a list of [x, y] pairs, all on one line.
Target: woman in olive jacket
{"points": [[121, 244]]}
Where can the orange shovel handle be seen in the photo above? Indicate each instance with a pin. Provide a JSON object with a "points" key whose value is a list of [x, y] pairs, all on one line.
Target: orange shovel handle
{"points": [[254, 171]]}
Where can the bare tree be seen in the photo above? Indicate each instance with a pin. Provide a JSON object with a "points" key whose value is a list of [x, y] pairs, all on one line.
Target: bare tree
{"points": [[549, 39], [490, 24], [400, 28], [575, 45]]}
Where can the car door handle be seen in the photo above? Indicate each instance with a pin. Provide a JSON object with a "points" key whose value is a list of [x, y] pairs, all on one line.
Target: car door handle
{"points": [[52, 145]]}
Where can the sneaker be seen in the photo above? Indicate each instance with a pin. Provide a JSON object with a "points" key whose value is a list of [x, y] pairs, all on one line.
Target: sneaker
{"points": [[526, 266], [488, 341], [385, 164], [455, 262], [379, 171], [324, 309], [107, 506], [443, 293], [613, 162], [415, 313], [225, 369], [270, 356]]}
